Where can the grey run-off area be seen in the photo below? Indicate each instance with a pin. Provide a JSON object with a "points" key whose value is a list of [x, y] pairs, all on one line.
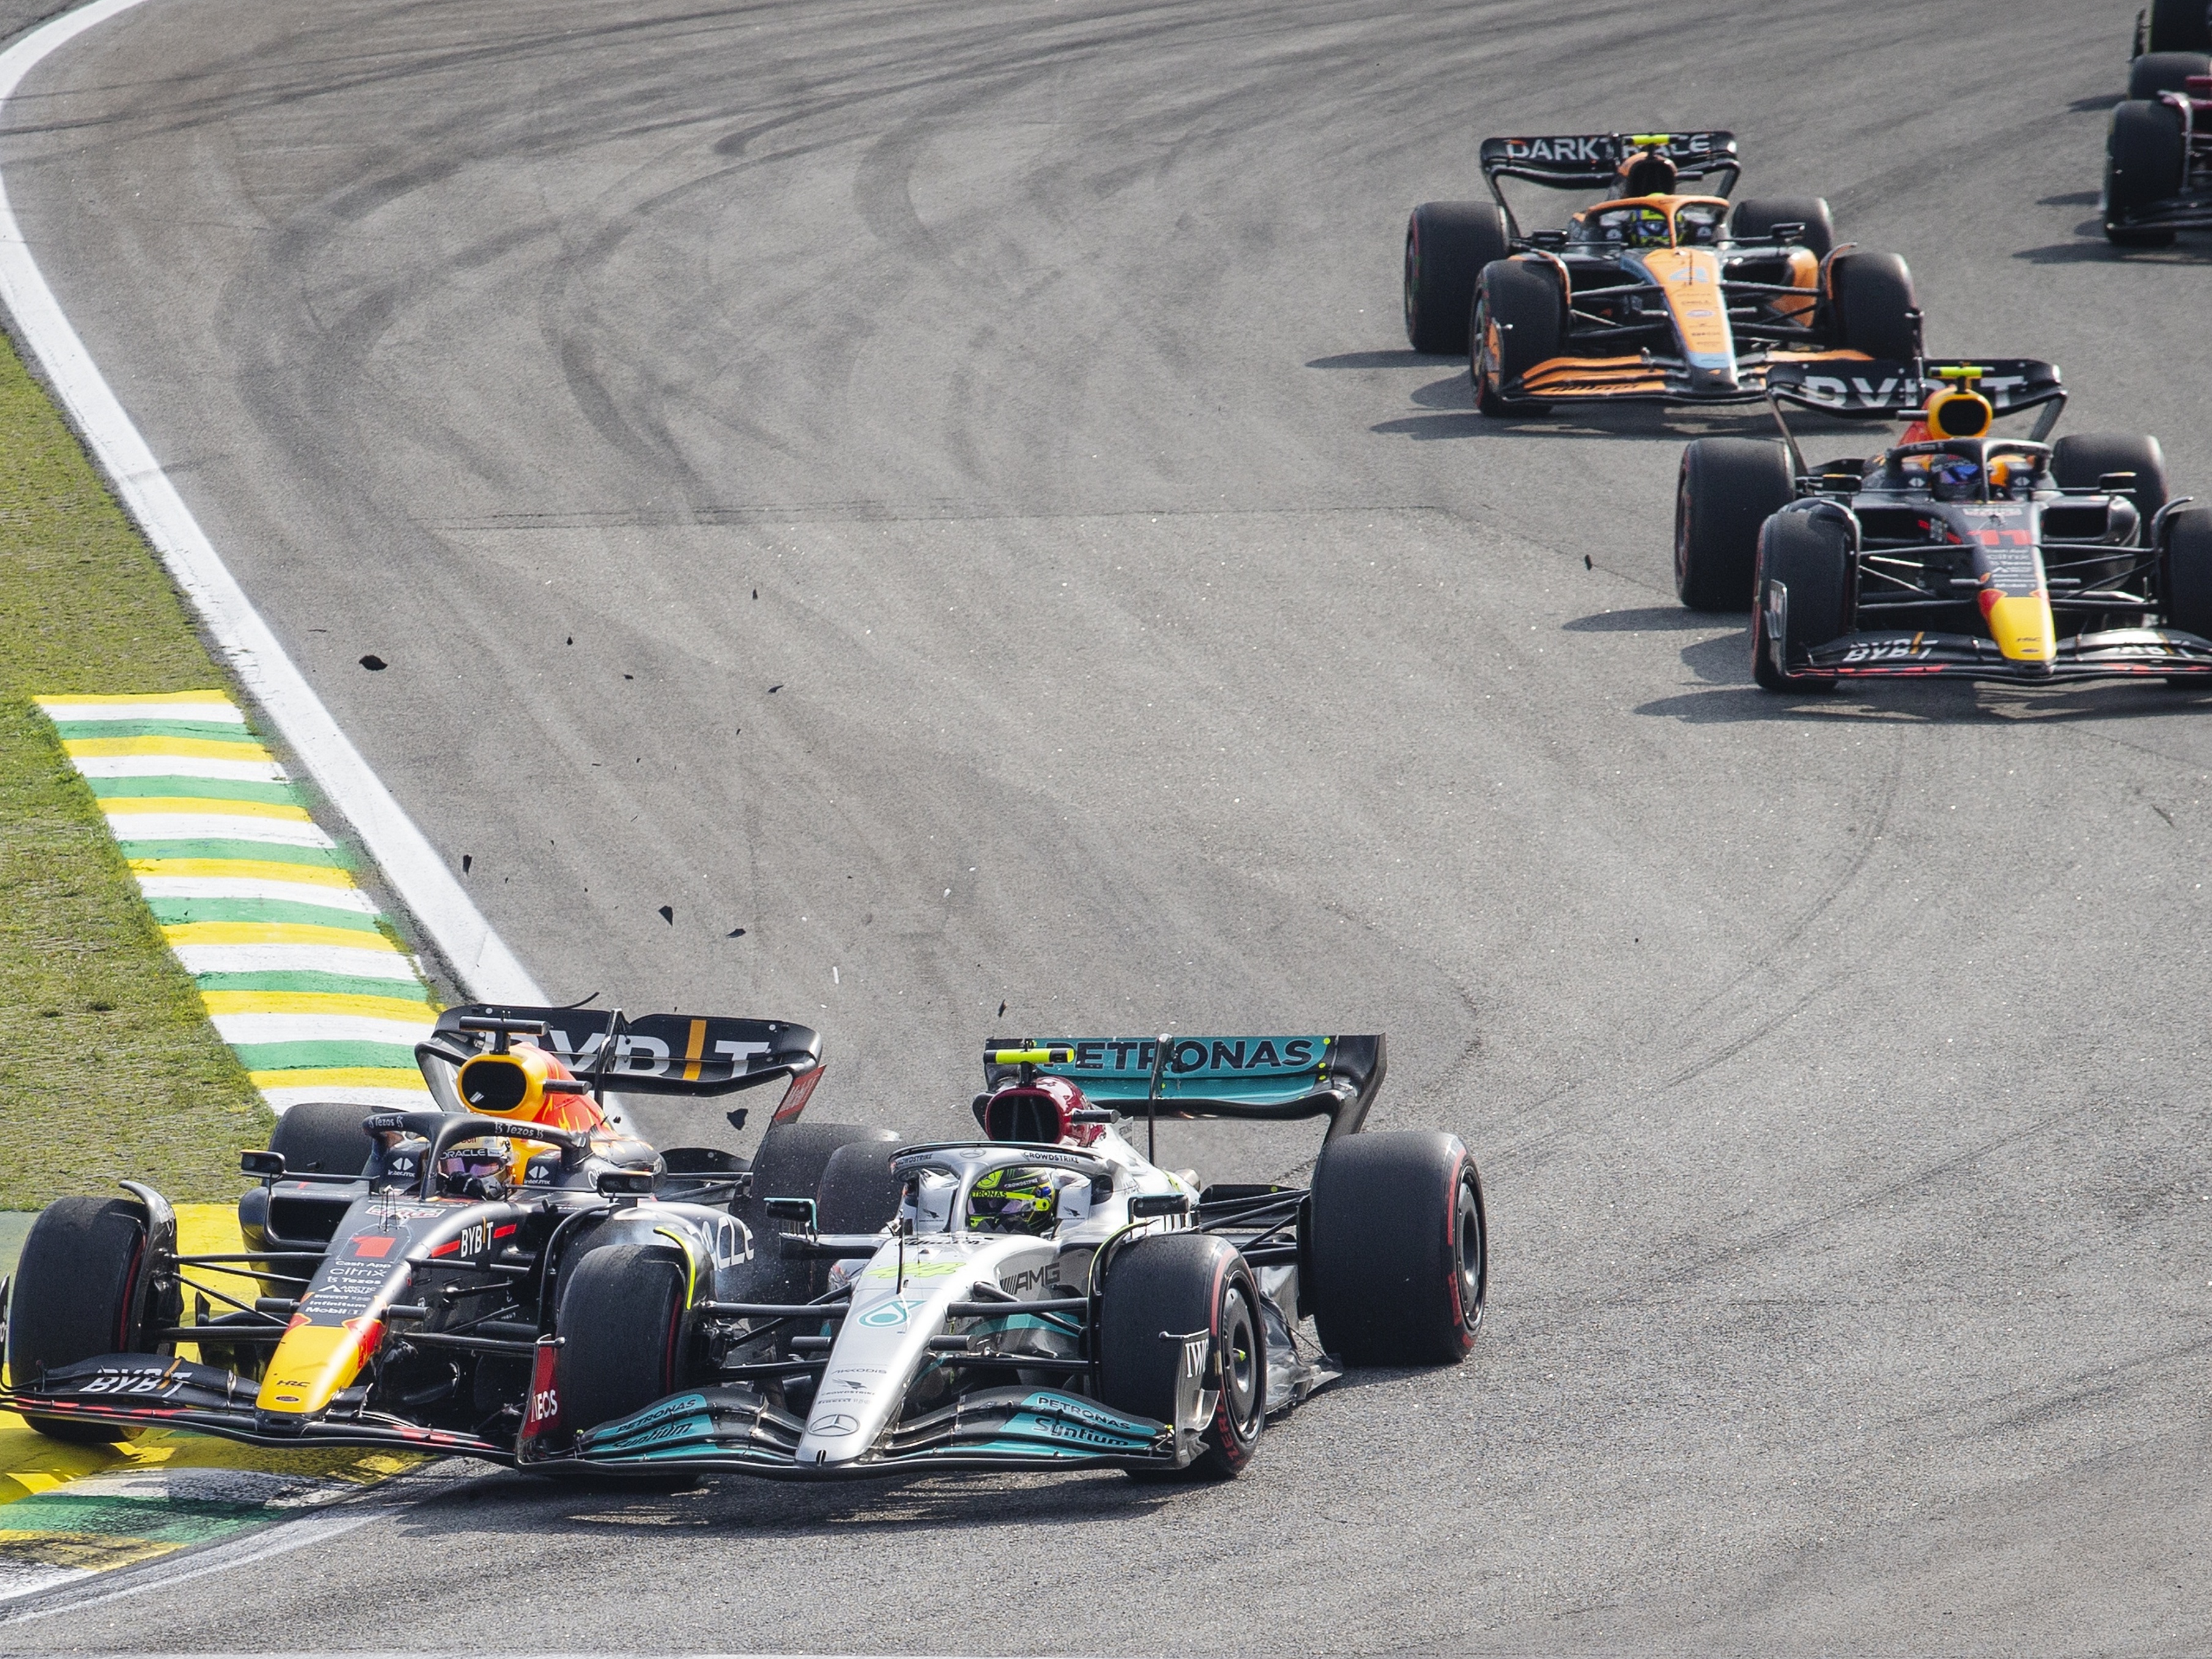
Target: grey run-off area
{"points": [[1145, 639]]}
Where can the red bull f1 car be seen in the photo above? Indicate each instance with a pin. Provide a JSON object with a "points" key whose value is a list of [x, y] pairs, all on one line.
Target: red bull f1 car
{"points": [[1649, 294], [558, 1297], [1953, 553]]}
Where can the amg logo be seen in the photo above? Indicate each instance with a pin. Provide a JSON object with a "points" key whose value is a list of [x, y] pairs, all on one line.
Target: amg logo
{"points": [[1582, 152]]}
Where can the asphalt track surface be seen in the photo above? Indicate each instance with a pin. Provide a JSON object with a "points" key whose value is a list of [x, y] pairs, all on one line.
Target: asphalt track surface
{"points": [[1145, 640]]}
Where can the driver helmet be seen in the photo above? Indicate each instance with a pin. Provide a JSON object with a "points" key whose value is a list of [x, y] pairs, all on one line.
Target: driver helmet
{"points": [[1955, 478], [1649, 229], [474, 1168], [1643, 174], [1014, 1200]]}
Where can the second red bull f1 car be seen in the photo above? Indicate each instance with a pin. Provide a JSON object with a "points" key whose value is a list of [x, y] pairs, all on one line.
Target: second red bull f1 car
{"points": [[1650, 295], [1953, 553], [514, 1279]]}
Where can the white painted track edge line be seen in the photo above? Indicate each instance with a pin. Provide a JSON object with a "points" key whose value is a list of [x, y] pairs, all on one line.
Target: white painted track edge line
{"points": [[425, 887]]}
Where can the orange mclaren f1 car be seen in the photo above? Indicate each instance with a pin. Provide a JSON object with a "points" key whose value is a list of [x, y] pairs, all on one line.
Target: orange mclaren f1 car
{"points": [[1648, 294], [1953, 553]]}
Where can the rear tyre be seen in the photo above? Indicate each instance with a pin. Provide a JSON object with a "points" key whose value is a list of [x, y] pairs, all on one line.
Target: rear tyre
{"points": [[1162, 1291], [793, 1156], [1399, 1250], [1447, 246], [2189, 573], [1519, 321], [2079, 459], [1727, 489], [78, 1294], [624, 1334], [793, 1161], [1755, 217], [858, 1193], [1875, 309], [2164, 71], [2145, 154], [2179, 26], [1812, 562], [323, 1137]]}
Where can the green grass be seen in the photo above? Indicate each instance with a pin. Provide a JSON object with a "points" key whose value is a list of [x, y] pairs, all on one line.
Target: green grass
{"points": [[108, 1068]]}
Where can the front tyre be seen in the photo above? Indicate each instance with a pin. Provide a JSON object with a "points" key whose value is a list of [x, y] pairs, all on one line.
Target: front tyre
{"points": [[81, 1290], [1398, 1246], [1812, 562], [2188, 571], [1447, 246], [1162, 1295], [624, 1336], [1519, 321], [2080, 460], [2146, 156], [323, 1137], [2179, 26], [1727, 489], [1753, 220], [1874, 307], [2164, 71]]}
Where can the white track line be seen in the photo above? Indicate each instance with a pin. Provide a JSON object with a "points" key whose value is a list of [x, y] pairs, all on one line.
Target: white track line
{"points": [[485, 968]]}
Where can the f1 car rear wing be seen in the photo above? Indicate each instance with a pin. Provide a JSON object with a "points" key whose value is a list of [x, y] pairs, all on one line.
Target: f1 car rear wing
{"points": [[1896, 389], [1263, 1079], [1592, 160], [651, 1054]]}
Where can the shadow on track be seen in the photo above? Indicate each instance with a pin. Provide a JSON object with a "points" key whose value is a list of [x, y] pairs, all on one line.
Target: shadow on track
{"points": [[2089, 247], [735, 1503], [1958, 703], [1654, 619]]}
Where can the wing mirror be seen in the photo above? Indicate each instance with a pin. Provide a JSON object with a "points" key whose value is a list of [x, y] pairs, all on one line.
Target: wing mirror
{"points": [[266, 1166], [792, 1209], [1146, 1206], [1548, 239], [1093, 1115], [624, 1184], [2116, 484], [1787, 233]]}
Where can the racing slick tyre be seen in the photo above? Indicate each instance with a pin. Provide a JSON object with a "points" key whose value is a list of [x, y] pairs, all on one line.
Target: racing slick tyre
{"points": [[1519, 321], [79, 1293], [2179, 26], [323, 1137], [1396, 1251], [1755, 217], [1727, 489], [1447, 246], [2079, 459], [2188, 572], [624, 1334], [1874, 305], [2146, 156], [858, 1191], [2166, 71], [1163, 1294], [1811, 562], [793, 1161], [793, 1156]]}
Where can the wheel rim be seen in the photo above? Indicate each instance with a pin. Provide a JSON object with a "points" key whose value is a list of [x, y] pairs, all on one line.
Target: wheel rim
{"points": [[1474, 1262], [1240, 1363]]}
